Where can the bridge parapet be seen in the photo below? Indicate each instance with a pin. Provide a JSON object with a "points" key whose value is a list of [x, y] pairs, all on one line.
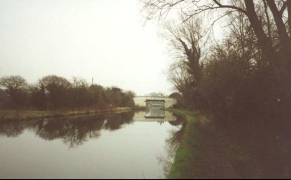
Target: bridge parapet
{"points": [[141, 100]]}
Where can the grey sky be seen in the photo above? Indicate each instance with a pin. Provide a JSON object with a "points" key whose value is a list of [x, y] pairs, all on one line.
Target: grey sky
{"points": [[103, 39]]}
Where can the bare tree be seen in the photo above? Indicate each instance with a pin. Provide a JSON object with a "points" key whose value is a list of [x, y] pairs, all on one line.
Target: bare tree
{"points": [[184, 46], [16, 89], [179, 77], [13, 82], [56, 80], [79, 83], [276, 11], [184, 43]]}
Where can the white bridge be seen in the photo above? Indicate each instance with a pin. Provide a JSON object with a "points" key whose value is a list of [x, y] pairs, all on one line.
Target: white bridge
{"points": [[141, 100]]}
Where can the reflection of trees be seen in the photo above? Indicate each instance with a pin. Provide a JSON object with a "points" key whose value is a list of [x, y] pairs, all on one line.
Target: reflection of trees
{"points": [[172, 143], [12, 128], [179, 120], [115, 121], [176, 136], [74, 131], [83, 130]]}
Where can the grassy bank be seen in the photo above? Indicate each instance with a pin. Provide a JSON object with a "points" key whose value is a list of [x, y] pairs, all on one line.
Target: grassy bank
{"points": [[33, 114], [205, 152]]}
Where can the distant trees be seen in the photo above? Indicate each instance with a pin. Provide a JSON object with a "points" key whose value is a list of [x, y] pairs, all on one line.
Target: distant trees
{"points": [[98, 95], [4, 99], [57, 88], [79, 93], [156, 94], [38, 97], [16, 89], [127, 99], [57, 93]]}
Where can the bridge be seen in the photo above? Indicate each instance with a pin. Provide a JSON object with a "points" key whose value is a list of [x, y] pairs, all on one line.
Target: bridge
{"points": [[141, 100], [139, 116]]}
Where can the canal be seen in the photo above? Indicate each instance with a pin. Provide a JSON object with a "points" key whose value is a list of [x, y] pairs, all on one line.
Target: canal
{"points": [[123, 145]]}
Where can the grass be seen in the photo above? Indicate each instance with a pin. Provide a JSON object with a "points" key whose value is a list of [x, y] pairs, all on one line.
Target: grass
{"points": [[34, 114], [205, 152], [189, 153]]}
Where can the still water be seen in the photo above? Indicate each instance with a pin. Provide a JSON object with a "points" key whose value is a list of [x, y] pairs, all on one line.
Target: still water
{"points": [[124, 145]]}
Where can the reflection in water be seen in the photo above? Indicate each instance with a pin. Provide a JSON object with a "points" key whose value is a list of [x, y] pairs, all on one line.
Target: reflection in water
{"points": [[155, 108], [176, 136], [140, 116], [74, 131], [12, 128], [269, 146], [115, 121], [126, 149], [172, 143]]}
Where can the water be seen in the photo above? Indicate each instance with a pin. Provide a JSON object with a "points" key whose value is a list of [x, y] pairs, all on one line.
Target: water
{"points": [[124, 145]]}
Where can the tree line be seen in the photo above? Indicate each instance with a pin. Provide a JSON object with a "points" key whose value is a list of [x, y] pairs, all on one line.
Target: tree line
{"points": [[57, 93], [245, 74]]}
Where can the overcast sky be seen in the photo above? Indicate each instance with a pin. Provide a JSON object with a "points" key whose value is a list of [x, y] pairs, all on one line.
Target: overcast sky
{"points": [[103, 39]]}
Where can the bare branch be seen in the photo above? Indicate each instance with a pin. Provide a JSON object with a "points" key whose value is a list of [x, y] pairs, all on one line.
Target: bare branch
{"points": [[283, 7], [268, 19], [229, 6]]}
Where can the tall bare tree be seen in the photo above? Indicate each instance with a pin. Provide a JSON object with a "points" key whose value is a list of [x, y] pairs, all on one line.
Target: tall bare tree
{"points": [[184, 41], [278, 12]]}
